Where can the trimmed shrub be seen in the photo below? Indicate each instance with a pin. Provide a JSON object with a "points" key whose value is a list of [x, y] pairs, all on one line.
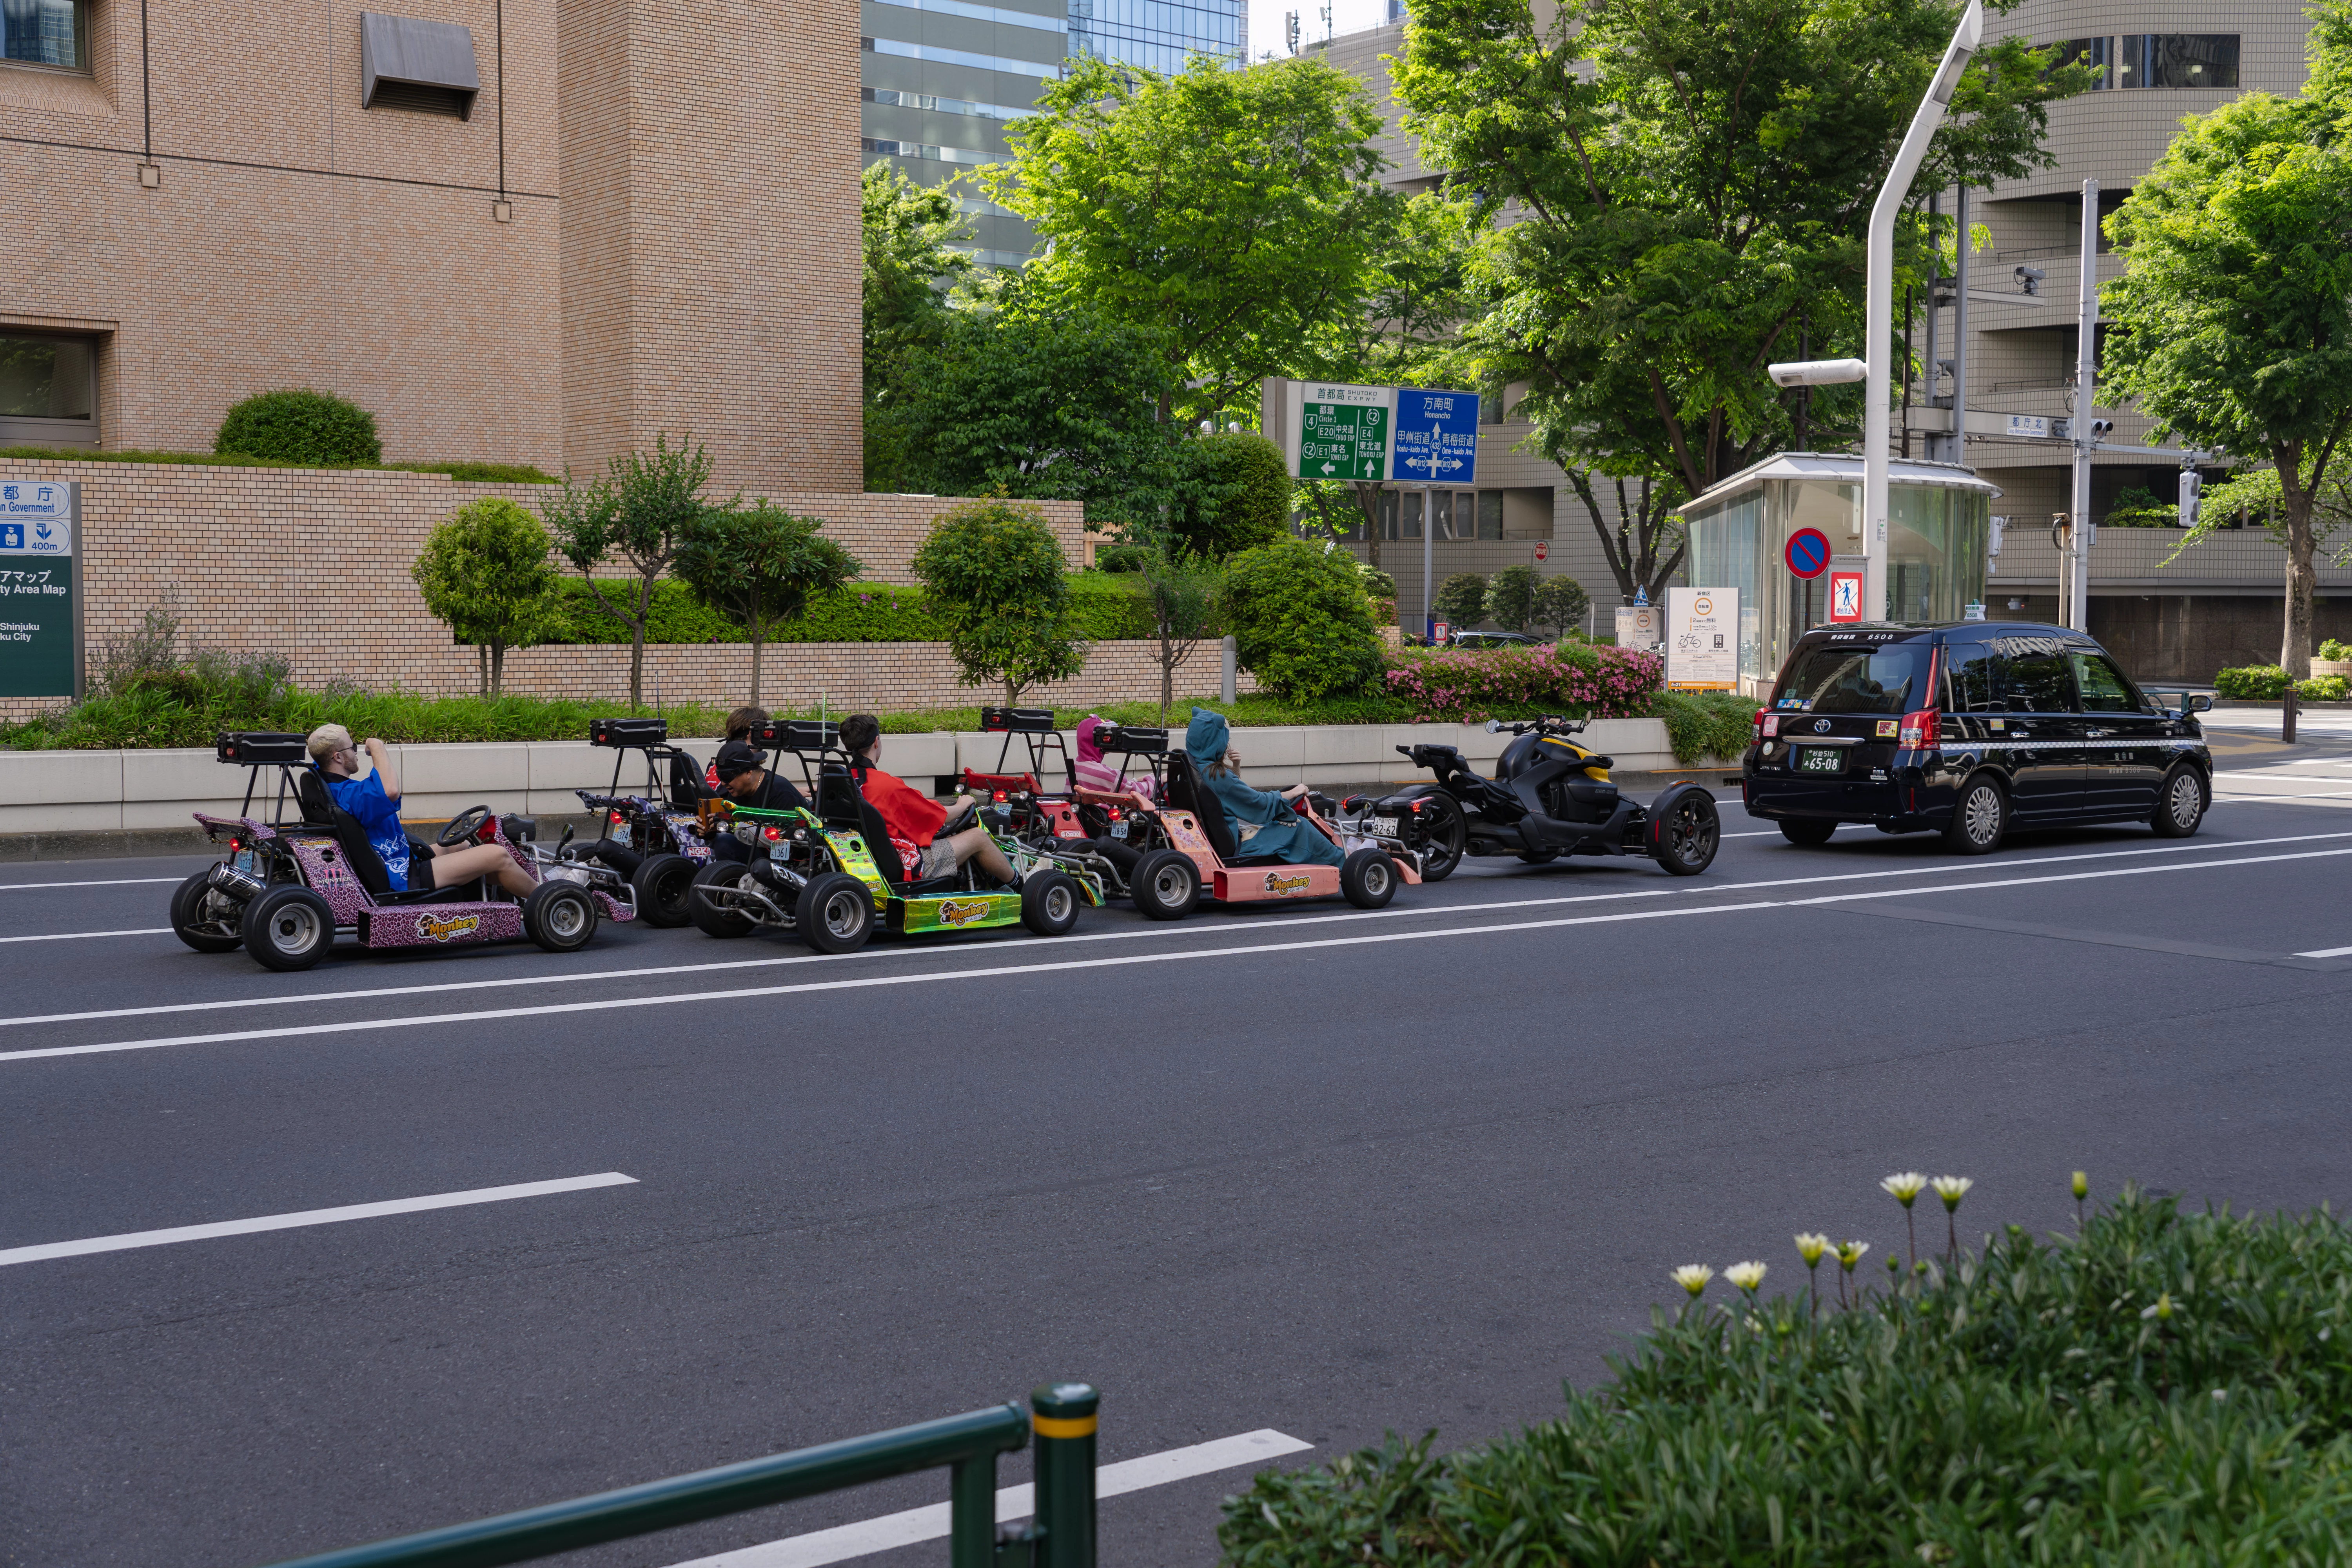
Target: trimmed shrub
{"points": [[1253, 485], [1301, 621], [479, 473], [315, 430], [1466, 685], [994, 574], [2252, 682], [2323, 689]]}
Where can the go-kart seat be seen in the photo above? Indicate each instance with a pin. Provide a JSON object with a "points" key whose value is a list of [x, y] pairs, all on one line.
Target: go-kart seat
{"points": [[839, 791], [688, 788], [1188, 792], [318, 806]]}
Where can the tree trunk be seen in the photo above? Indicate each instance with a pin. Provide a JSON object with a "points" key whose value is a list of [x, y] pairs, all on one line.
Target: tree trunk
{"points": [[1167, 676], [1012, 693], [498, 669], [637, 665], [2295, 504], [758, 641], [481, 669]]}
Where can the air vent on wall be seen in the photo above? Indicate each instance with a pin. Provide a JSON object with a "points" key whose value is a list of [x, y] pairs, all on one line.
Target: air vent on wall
{"points": [[406, 63]]}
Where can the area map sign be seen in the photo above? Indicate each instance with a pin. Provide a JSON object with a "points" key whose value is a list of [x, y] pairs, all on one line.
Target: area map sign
{"points": [[1342, 433], [40, 615]]}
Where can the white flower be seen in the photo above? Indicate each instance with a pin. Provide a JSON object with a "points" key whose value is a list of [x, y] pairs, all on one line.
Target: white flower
{"points": [[1693, 1278], [1950, 1188], [1811, 1245], [1850, 1253], [1747, 1276], [1904, 1185]]}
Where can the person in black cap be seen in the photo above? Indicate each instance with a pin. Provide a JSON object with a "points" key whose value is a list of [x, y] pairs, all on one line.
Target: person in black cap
{"points": [[745, 778]]}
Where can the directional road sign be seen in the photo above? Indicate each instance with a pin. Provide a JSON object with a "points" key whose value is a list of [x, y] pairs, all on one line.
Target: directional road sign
{"points": [[1341, 433], [1436, 437]]}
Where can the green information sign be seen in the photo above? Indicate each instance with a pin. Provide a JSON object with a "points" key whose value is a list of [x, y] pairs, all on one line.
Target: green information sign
{"points": [[41, 614], [1341, 433]]}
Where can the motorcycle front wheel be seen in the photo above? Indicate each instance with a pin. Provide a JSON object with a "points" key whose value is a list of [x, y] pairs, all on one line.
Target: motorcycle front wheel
{"points": [[1444, 835]]}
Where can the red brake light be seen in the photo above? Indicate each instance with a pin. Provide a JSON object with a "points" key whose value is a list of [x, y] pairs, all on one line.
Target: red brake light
{"points": [[234, 843], [616, 816], [1756, 726], [1114, 813], [772, 834], [1416, 805], [1920, 730], [1000, 798]]}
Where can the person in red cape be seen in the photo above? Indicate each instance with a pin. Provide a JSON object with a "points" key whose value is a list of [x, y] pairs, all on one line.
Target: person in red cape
{"points": [[913, 819]]}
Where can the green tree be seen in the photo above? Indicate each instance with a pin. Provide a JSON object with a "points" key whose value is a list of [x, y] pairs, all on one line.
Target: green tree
{"points": [[1240, 497], [2231, 325], [297, 424], [1560, 604], [1461, 600], [643, 510], [1237, 213], [1301, 621], [759, 564], [1181, 591], [1511, 597], [486, 572], [911, 235], [994, 574], [1689, 188]]}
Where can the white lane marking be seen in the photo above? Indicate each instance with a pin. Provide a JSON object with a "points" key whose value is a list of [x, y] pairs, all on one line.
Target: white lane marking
{"points": [[2326, 952], [80, 935], [919, 1524], [876, 981], [109, 882], [308, 1216], [1675, 888]]}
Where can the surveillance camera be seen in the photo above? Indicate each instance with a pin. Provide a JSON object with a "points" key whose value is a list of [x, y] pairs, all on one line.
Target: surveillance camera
{"points": [[2099, 427], [2029, 279], [1818, 371]]}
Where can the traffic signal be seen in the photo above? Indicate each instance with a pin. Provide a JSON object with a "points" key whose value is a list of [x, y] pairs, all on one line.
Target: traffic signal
{"points": [[2192, 487]]}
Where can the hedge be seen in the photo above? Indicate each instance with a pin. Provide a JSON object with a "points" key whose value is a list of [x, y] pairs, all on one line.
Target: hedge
{"points": [[2252, 682], [2157, 1388], [1466, 685], [476, 473], [1108, 608]]}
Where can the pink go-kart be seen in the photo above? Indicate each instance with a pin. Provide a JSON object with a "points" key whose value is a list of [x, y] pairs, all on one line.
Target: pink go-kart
{"points": [[290, 888]]}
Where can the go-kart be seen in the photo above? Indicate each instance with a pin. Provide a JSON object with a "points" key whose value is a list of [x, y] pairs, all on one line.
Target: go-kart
{"points": [[1168, 853], [654, 839], [830, 874], [290, 888], [1549, 796]]}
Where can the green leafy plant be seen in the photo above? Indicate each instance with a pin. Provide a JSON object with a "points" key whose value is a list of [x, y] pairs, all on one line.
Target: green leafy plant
{"points": [[995, 577], [1245, 502], [760, 564], [2323, 689], [2332, 650], [1461, 600], [479, 473], [486, 572], [1561, 604], [2252, 682], [1511, 597], [1181, 593], [1118, 558], [642, 511], [1301, 620], [314, 429]]}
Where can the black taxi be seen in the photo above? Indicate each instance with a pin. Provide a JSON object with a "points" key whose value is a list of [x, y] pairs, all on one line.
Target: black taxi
{"points": [[1967, 729]]}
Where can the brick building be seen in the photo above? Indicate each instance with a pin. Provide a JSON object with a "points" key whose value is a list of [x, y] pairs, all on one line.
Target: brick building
{"points": [[529, 231]]}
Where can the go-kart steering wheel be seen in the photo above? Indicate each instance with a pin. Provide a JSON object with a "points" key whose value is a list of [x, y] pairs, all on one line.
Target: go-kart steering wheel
{"points": [[463, 826]]}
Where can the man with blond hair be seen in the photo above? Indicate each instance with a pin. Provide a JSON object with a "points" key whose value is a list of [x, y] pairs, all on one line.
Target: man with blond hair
{"points": [[372, 802]]}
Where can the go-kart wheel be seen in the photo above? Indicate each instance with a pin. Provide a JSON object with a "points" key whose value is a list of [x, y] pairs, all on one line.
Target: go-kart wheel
{"points": [[288, 929], [1685, 830], [665, 889], [463, 826], [835, 914], [1448, 835], [1369, 878], [1166, 885], [206, 920], [712, 919], [1049, 903], [559, 916]]}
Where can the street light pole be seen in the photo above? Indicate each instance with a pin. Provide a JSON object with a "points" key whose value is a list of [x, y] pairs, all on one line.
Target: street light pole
{"points": [[2085, 431], [1878, 311]]}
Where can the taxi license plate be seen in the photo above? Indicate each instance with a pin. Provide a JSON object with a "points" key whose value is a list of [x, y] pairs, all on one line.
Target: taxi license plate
{"points": [[1384, 826], [1118, 830], [1820, 760]]}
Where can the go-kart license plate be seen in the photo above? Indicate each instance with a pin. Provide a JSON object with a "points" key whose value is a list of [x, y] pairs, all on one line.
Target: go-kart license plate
{"points": [[1820, 760], [1384, 826], [1118, 830]]}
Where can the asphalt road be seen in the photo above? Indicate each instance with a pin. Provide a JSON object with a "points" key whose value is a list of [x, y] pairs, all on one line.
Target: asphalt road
{"points": [[1307, 1170]]}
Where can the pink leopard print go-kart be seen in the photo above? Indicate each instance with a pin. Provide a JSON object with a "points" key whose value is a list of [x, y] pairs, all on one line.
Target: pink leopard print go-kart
{"points": [[290, 888]]}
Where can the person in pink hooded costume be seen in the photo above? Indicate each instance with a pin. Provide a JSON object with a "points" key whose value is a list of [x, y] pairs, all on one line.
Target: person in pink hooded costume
{"points": [[1093, 772]]}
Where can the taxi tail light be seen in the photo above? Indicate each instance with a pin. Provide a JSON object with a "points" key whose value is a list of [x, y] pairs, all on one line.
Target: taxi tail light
{"points": [[1919, 729], [1756, 727]]}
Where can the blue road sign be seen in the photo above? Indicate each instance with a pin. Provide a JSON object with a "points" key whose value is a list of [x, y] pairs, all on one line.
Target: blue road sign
{"points": [[1436, 437]]}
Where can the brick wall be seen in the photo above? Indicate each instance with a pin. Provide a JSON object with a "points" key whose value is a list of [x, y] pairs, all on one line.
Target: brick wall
{"points": [[313, 563]]}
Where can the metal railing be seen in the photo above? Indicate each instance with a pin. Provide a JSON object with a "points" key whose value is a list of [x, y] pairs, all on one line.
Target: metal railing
{"points": [[1060, 1535]]}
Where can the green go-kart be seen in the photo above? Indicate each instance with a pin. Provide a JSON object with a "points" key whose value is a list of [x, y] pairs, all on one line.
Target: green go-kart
{"points": [[828, 873]]}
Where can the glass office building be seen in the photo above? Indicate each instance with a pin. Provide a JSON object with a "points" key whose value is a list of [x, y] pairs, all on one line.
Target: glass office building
{"points": [[940, 78]]}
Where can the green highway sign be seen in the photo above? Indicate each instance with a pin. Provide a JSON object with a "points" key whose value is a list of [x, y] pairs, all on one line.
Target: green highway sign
{"points": [[41, 614], [1340, 432]]}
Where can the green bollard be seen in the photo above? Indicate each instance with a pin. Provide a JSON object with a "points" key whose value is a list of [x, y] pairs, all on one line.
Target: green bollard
{"points": [[1064, 1422]]}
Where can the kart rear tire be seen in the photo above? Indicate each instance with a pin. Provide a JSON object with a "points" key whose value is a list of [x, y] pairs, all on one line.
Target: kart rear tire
{"points": [[1447, 837], [288, 929], [835, 914], [708, 918], [1686, 830], [188, 916], [664, 889], [1165, 885], [559, 916], [1369, 878], [1806, 830], [1049, 903]]}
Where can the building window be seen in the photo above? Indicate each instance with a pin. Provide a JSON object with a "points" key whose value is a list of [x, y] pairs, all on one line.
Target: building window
{"points": [[46, 33], [2177, 59], [2096, 53], [49, 390], [1490, 514]]}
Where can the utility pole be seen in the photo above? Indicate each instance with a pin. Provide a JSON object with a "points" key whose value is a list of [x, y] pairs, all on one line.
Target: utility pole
{"points": [[2085, 432], [1960, 331]]}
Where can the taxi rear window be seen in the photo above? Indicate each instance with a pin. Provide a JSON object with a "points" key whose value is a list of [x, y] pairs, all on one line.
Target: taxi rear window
{"points": [[1841, 679]]}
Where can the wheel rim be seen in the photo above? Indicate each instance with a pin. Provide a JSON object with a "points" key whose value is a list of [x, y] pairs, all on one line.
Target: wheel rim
{"points": [[1447, 839], [1693, 837], [1983, 814], [295, 929], [1169, 886], [2187, 799], [566, 918], [842, 916], [1376, 876], [1060, 903]]}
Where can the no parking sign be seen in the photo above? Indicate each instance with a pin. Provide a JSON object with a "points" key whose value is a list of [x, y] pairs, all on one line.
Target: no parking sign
{"points": [[1807, 553]]}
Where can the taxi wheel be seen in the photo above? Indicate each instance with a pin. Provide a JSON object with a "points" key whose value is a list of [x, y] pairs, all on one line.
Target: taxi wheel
{"points": [[205, 919], [710, 917], [288, 929], [1049, 903], [2180, 805], [835, 914], [1806, 831], [665, 889], [559, 915], [1166, 885], [1979, 817]]}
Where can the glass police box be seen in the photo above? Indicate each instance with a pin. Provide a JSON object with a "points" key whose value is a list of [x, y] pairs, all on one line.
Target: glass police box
{"points": [[1938, 525]]}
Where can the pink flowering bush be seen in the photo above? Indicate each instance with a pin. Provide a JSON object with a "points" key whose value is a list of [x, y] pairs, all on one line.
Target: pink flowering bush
{"points": [[1466, 685]]}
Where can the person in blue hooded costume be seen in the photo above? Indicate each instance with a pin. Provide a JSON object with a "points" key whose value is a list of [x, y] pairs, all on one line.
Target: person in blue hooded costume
{"points": [[1263, 822]]}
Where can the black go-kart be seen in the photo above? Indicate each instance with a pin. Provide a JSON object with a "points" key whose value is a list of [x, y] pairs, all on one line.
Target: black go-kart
{"points": [[654, 839], [1550, 797]]}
